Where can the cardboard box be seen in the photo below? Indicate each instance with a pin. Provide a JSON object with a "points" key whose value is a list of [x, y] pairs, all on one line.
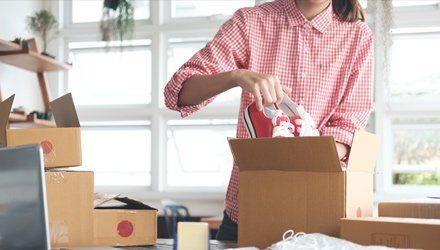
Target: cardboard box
{"points": [[428, 208], [298, 183], [393, 232], [70, 207], [61, 146], [133, 224]]}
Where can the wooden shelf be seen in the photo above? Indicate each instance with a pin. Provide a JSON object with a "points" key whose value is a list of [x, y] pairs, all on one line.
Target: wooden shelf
{"points": [[29, 121], [13, 54]]}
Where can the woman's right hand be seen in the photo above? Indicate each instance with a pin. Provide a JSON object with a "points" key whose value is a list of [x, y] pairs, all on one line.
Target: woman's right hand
{"points": [[265, 88]]}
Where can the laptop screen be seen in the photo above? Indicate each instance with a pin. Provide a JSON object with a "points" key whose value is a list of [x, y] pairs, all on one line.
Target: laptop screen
{"points": [[23, 222]]}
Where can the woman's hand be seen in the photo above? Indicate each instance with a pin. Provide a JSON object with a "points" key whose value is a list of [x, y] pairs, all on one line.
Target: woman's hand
{"points": [[265, 88]]}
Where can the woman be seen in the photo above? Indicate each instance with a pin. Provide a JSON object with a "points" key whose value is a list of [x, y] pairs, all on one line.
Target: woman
{"points": [[319, 52]]}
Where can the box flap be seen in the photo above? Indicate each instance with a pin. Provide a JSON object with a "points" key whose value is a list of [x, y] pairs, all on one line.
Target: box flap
{"points": [[363, 153], [124, 203], [5, 109], [317, 154], [64, 111]]}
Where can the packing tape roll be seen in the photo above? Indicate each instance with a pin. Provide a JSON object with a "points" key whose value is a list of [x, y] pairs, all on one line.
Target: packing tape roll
{"points": [[192, 236]]}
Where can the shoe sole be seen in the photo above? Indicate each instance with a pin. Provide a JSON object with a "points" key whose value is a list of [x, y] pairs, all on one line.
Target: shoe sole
{"points": [[248, 123]]}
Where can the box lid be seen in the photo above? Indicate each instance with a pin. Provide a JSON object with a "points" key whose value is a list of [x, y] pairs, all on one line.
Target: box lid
{"points": [[5, 109], [394, 220], [64, 112], [315, 154], [122, 203]]}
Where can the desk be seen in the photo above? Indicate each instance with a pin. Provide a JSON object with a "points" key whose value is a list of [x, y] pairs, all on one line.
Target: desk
{"points": [[163, 244]]}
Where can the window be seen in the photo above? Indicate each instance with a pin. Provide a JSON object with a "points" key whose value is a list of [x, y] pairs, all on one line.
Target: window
{"points": [[84, 11], [129, 138], [416, 151], [120, 155], [112, 75], [207, 160], [199, 8], [181, 50], [414, 65]]}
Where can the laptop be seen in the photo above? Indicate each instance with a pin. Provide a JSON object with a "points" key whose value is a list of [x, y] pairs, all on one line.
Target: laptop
{"points": [[23, 209]]}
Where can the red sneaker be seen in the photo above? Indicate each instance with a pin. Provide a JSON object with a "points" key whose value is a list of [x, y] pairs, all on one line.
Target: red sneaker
{"points": [[257, 124]]}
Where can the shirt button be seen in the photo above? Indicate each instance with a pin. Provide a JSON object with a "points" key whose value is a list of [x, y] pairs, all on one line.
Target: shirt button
{"points": [[303, 74], [307, 25]]}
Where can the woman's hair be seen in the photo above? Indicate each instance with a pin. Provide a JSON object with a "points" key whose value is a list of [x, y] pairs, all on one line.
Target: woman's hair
{"points": [[349, 10]]}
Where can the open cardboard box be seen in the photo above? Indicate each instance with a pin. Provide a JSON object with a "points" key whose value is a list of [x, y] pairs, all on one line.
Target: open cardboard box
{"points": [[428, 208], [126, 223], [70, 208], [393, 232], [298, 183], [61, 146]]}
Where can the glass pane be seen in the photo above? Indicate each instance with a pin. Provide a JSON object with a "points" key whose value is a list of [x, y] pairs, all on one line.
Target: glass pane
{"points": [[416, 152], [110, 75], [414, 66], [119, 156], [181, 50], [413, 2], [91, 10], [202, 8], [198, 154]]}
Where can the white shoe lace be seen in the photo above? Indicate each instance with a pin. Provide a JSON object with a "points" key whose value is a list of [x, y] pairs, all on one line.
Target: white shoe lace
{"points": [[283, 128], [308, 126]]}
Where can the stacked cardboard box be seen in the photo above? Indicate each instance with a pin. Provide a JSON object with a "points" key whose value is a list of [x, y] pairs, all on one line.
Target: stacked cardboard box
{"points": [[70, 193], [401, 224]]}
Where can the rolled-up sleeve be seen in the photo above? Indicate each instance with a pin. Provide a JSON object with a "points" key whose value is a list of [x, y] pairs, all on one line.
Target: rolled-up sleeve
{"points": [[357, 102], [227, 51]]}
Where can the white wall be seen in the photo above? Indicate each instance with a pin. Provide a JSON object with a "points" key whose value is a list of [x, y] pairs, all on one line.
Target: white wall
{"points": [[13, 80]]}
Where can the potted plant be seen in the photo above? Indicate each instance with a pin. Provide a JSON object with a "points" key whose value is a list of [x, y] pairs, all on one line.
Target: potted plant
{"points": [[117, 20], [43, 24]]}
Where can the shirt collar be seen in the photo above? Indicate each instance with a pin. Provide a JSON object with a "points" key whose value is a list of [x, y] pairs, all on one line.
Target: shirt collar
{"points": [[319, 22]]}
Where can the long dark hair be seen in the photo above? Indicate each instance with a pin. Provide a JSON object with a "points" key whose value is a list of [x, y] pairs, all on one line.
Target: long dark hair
{"points": [[349, 10]]}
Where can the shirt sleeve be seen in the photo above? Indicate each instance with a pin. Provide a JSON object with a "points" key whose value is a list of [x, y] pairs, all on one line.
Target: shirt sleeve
{"points": [[357, 102], [227, 51]]}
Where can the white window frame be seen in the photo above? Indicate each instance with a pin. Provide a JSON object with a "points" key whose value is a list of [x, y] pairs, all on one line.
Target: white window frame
{"points": [[386, 108]]}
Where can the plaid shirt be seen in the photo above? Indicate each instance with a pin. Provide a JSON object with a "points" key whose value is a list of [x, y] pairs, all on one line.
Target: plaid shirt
{"points": [[328, 64]]}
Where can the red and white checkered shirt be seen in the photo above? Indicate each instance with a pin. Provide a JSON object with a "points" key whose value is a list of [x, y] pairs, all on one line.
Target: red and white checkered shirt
{"points": [[328, 64]]}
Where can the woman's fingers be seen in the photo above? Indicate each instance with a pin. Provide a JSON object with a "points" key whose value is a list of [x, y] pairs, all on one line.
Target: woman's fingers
{"points": [[286, 89], [257, 95], [279, 90], [265, 92]]}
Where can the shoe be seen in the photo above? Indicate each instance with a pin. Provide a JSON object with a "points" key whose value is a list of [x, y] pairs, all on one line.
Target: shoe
{"points": [[257, 123], [299, 117], [271, 122]]}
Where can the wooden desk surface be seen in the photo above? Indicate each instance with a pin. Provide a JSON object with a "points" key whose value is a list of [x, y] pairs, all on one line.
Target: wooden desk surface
{"points": [[162, 244]]}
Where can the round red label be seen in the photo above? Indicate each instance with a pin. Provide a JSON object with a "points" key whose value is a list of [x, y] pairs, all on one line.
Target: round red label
{"points": [[46, 146], [125, 228]]}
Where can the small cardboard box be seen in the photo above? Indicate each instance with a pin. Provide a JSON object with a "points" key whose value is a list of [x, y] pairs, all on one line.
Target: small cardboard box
{"points": [[298, 183], [61, 146], [428, 208], [70, 207], [133, 224], [393, 232]]}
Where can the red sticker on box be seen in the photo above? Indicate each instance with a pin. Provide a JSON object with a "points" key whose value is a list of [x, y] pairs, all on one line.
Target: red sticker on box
{"points": [[359, 212], [125, 228], [46, 146]]}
